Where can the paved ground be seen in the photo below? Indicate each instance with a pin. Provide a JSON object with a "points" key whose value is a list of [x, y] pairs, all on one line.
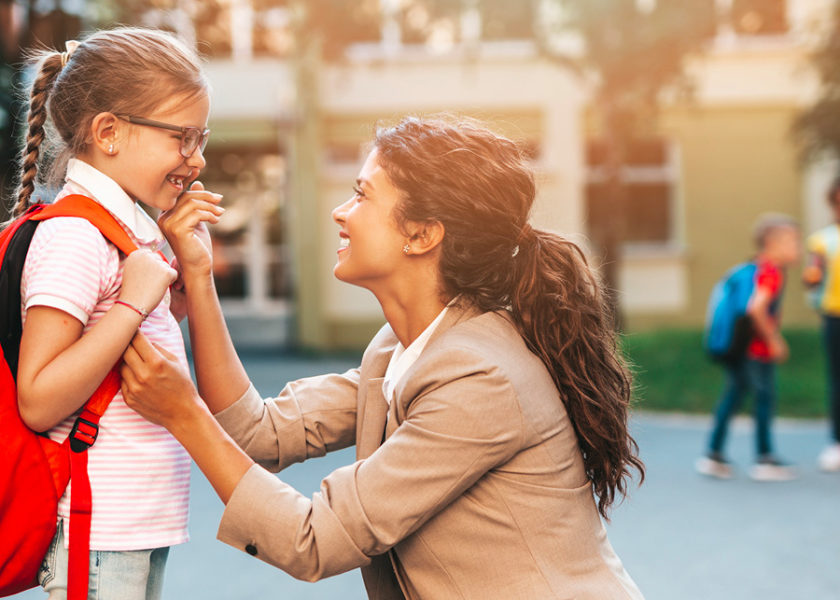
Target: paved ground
{"points": [[681, 536]]}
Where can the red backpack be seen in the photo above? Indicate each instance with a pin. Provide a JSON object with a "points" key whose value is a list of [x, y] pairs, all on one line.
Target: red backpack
{"points": [[34, 470]]}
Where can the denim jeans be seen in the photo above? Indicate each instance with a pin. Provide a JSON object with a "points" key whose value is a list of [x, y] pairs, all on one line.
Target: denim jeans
{"points": [[741, 379], [831, 338], [129, 575]]}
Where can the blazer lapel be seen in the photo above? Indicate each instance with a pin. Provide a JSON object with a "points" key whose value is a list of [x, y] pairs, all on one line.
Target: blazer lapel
{"points": [[458, 312]]}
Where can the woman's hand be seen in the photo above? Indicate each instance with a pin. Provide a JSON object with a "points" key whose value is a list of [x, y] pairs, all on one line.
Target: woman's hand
{"points": [[157, 386], [185, 228], [145, 279]]}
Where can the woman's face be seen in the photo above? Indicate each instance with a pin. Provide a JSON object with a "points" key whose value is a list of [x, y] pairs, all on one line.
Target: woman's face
{"points": [[371, 250]]}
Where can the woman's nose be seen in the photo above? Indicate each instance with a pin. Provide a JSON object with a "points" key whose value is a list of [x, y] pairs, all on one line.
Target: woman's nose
{"points": [[339, 212]]}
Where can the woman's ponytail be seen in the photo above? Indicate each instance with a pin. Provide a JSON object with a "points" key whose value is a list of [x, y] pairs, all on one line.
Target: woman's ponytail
{"points": [[558, 305], [49, 68]]}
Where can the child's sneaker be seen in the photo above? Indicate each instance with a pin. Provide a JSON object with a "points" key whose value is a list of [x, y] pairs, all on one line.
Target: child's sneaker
{"points": [[770, 468], [714, 465], [829, 458]]}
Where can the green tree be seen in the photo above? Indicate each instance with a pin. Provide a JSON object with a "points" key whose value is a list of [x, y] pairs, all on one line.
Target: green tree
{"points": [[817, 128]]}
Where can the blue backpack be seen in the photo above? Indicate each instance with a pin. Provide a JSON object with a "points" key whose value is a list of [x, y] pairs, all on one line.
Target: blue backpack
{"points": [[729, 328]]}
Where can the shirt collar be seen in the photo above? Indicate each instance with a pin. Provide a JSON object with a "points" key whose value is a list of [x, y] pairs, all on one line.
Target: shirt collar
{"points": [[403, 358], [107, 192]]}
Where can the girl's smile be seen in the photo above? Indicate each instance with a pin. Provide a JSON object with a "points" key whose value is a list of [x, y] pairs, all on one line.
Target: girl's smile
{"points": [[147, 162]]}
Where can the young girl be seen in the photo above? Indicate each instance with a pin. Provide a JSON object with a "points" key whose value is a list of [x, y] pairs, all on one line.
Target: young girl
{"points": [[130, 107]]}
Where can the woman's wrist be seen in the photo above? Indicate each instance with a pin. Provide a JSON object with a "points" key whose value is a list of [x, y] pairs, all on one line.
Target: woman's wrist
{"points": [[197, 279]]}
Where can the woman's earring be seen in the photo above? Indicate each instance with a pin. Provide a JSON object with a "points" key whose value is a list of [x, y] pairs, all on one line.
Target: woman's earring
{"points": [[406, 249]]}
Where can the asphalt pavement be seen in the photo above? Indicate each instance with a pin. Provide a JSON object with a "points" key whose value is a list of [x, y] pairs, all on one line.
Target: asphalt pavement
{"points": [[681, 536]]}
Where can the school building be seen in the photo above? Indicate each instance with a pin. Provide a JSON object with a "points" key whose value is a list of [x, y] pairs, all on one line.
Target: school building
{"points": [[289, 138]]}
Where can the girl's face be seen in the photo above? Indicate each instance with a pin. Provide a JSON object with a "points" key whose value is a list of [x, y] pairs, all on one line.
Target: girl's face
{"points": [[371, 250], [149, 165]]}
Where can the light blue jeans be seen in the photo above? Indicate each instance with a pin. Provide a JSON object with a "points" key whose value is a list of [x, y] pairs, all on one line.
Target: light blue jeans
{"points": [[130, 575]]}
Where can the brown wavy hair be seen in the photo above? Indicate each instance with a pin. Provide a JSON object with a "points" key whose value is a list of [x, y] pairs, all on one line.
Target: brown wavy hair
{"points": [[126, 70], [479, 185]]}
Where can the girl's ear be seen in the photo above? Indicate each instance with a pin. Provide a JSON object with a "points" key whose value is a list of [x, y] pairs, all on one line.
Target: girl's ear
{"points": [[424, 237], [105, 129]]}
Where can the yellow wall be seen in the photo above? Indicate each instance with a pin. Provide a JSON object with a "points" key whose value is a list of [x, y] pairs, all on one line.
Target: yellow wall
{"points": [[736, 163]]}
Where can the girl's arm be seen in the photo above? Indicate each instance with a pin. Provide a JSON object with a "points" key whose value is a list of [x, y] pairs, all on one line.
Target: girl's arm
{"points": [[220, 375], [59, 369]]}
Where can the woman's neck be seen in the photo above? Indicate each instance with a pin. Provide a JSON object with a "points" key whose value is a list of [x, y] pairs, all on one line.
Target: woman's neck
{"points": [[411, 314]]}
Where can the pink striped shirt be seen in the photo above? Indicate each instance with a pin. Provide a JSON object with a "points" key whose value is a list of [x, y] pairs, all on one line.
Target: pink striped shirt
{"points": [[139, 474]]}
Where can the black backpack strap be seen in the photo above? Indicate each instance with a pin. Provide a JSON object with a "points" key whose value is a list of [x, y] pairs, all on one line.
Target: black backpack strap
{"points": [[10, 274]]}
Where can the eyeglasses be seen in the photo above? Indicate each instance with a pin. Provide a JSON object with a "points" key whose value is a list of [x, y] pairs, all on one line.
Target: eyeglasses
{"points": [[191, 137]]}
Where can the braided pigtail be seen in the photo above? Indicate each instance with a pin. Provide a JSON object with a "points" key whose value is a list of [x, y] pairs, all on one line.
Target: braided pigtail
{"points": [[49, 68]]}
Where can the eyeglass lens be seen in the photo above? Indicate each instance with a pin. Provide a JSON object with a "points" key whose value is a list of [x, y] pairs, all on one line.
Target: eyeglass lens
{"points": [[191, 138]]}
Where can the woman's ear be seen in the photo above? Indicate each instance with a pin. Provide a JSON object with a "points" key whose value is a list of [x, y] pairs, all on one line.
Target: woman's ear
{"points": [[424, 237], [105, 130]]}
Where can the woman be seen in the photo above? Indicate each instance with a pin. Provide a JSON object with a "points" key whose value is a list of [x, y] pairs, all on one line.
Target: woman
{"points": [[485, 413]]}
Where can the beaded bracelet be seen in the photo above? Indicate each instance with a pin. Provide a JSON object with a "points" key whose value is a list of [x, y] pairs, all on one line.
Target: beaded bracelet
{"points": [[139, 311]]}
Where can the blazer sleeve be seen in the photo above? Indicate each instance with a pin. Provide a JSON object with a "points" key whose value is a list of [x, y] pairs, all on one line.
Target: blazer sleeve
{"points": [[309, 418], [463, 421]]}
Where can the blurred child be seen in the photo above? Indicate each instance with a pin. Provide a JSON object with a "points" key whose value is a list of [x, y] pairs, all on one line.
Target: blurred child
{"points": [[823, 275], [778, 242]]}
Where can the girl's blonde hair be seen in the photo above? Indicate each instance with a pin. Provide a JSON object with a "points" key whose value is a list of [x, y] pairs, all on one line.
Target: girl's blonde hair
{"points": [[122, 71]]}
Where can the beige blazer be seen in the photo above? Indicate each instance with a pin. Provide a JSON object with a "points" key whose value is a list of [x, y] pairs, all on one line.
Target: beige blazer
{"points": [[469, 485]]}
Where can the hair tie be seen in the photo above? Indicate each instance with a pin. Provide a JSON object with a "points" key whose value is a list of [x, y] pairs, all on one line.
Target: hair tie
{"points": [[70, 47], [524, 234]]}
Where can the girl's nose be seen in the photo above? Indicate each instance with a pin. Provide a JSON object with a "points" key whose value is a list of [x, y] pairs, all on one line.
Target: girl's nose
{"points": [[196, 160]]}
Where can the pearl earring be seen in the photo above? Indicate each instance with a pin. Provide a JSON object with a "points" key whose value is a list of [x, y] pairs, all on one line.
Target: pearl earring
{"points": [[406, 249], [111, 149]]}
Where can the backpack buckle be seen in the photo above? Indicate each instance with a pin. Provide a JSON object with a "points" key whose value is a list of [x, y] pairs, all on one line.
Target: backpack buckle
{"points": [[83, 434]]}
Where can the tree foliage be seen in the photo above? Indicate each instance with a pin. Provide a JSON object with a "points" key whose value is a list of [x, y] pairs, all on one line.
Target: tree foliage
{"points": [[817, 129]]}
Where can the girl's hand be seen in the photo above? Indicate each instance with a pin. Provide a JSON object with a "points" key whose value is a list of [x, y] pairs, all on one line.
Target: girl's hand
{"points": [[156, 385], [145, 279], [185, 228]]}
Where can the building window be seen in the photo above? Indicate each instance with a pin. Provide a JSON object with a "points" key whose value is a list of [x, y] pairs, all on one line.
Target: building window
{"points": [[649, 177], [250, 261]]}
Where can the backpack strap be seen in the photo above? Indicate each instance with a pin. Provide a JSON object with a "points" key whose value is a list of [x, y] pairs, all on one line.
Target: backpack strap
{"points": [[86, 427], [76, 205]]}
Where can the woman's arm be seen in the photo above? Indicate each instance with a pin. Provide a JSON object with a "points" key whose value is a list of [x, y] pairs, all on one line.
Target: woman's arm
{"points": [[220, 374], [442, 448], [59, 368]]}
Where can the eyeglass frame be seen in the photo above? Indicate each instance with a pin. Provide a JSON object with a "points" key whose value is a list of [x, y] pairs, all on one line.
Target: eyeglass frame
{"points": [[204, 134]]}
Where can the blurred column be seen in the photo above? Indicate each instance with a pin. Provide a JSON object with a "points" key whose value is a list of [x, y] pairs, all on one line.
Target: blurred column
{"points": [[391, 30], [304, 187], [242, 30]]}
